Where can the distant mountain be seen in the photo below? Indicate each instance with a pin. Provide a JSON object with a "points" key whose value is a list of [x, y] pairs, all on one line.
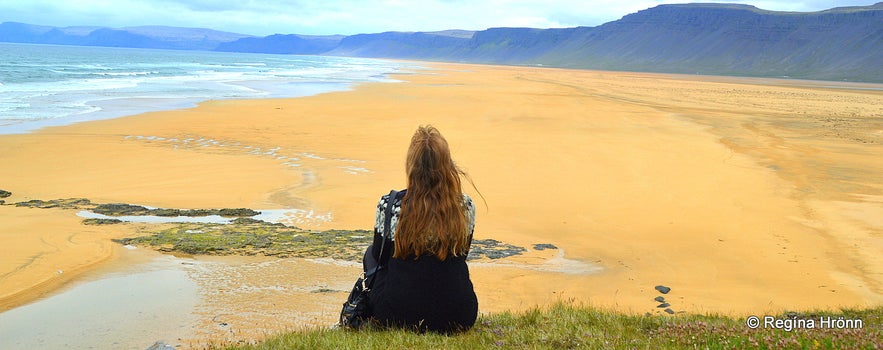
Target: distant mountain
{"points": [[718, 39], [844, 43], [14, 32], [283, 44], [186, 38], [154, 37], [399, 45]]}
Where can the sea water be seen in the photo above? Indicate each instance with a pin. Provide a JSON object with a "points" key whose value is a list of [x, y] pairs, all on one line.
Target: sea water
{"points": [[49, 85]]}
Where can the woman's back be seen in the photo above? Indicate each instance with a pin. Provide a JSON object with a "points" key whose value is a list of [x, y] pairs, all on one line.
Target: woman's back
{"points": [[424, 293], [425, 282]]}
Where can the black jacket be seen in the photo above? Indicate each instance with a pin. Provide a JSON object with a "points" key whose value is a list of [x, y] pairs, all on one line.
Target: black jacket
{"points": [[425, 293]]}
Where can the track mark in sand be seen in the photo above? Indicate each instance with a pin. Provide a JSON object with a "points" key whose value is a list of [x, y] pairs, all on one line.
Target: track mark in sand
{"points": [[291, 158], [308, 163], [43, 239], [28, 262], [557, 264]]}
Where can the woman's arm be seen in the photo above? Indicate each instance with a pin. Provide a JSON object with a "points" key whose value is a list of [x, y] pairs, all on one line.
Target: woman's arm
{"points": [[469, 208], [378, 226], [380, 222]]}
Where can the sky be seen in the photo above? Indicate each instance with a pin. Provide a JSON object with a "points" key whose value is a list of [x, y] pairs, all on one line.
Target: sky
{"points": [[347, 17]]}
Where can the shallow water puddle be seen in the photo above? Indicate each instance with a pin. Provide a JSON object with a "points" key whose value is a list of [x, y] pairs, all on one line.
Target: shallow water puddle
{"points": [[144, 296], [249, 298], [125, 308]]}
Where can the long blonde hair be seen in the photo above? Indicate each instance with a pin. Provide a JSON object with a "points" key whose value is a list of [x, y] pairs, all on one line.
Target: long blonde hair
{"points": [[432, 218]]}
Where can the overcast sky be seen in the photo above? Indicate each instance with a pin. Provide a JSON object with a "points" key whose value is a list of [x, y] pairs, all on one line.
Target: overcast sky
{"points": [[264, 17]]}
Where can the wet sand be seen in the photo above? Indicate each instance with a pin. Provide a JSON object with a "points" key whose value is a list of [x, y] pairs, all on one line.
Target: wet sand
{"points": [[745, 196]]}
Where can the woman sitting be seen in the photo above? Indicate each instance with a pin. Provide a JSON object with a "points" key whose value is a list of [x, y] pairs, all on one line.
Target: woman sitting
{"points": [[425, 284]]}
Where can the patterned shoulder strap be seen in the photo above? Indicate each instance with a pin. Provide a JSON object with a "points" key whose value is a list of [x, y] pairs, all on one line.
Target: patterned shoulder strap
{"points": [[387, 221]]}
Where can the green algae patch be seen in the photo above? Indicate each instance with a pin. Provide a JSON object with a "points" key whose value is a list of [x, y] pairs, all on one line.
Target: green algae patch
{"points": [[252, 237], [247, 236]]}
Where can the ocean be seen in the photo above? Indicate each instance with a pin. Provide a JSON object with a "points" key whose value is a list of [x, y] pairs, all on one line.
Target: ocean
{"points": [[49, 85]]}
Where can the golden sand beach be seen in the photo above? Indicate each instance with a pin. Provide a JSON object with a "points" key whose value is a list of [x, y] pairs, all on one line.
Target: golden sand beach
{"points": [[743, 195]]}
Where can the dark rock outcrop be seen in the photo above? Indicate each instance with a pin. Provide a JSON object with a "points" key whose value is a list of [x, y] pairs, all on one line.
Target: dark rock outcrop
{"points": [[237, 212], [69, 203], [493, 249], [120, 209], [99, 222], [662, 289], [544, 246]]}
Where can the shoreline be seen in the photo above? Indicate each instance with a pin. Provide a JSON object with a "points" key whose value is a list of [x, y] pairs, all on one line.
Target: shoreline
{"points": [[714, 188], [154, 80]]}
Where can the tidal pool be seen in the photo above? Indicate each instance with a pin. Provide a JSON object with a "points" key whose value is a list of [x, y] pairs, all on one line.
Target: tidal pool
{"points": [[143, 296], [118, 307]]}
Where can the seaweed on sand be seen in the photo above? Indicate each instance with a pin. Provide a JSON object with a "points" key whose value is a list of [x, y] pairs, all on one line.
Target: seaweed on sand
{"points": [[252, 237], [247, 236]]}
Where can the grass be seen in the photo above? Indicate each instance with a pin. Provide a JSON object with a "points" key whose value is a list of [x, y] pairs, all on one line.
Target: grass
{"points": [[568, 326]]}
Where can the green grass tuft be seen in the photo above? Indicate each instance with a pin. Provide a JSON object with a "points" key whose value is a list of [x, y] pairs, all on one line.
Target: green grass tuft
{"points": [[567, 326]]}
